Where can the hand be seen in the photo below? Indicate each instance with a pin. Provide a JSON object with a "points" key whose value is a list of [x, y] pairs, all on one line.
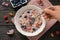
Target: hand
{"points": [[53, 11]]}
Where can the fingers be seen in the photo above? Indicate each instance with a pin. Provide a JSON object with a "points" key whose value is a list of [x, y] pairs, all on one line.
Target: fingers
{"points": [[49, 11]]}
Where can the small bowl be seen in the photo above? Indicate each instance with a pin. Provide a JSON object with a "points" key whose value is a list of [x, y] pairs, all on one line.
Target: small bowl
{"points": [[18, 26], [20, 3]]}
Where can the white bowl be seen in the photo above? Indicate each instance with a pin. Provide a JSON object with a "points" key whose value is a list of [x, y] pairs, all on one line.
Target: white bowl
{"points": [[20, 11]]}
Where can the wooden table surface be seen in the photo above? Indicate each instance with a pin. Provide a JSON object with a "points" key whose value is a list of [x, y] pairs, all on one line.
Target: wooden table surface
{"points": [[17, 36]]}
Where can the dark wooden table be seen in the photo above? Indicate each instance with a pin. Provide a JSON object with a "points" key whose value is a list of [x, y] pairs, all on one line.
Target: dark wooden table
{"points": [[17, 36]]}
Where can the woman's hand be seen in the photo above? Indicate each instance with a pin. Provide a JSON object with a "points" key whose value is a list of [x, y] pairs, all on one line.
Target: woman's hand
{"points": [[53, 11]]}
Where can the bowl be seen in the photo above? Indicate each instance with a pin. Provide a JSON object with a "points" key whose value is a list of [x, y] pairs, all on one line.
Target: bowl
{"points": [[18, 26]]}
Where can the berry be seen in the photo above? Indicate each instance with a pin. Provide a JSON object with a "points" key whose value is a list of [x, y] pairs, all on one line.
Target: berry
{"points": [[57, 32], [5, 17], [7, 21]]}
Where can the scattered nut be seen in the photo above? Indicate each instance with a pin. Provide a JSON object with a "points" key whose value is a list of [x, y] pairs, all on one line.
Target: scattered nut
{"points": [[5, 17], [11, 14], [51, 34]]}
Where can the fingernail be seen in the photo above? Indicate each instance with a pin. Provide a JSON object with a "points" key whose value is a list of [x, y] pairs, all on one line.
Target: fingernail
{"points": [[52, 8]]}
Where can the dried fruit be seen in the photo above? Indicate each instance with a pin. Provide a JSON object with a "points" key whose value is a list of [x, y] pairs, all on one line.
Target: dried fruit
{"points": [[28, 28]]}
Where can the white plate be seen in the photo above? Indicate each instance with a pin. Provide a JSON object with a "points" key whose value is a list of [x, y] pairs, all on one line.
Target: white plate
{"points": [[20, 11]]}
